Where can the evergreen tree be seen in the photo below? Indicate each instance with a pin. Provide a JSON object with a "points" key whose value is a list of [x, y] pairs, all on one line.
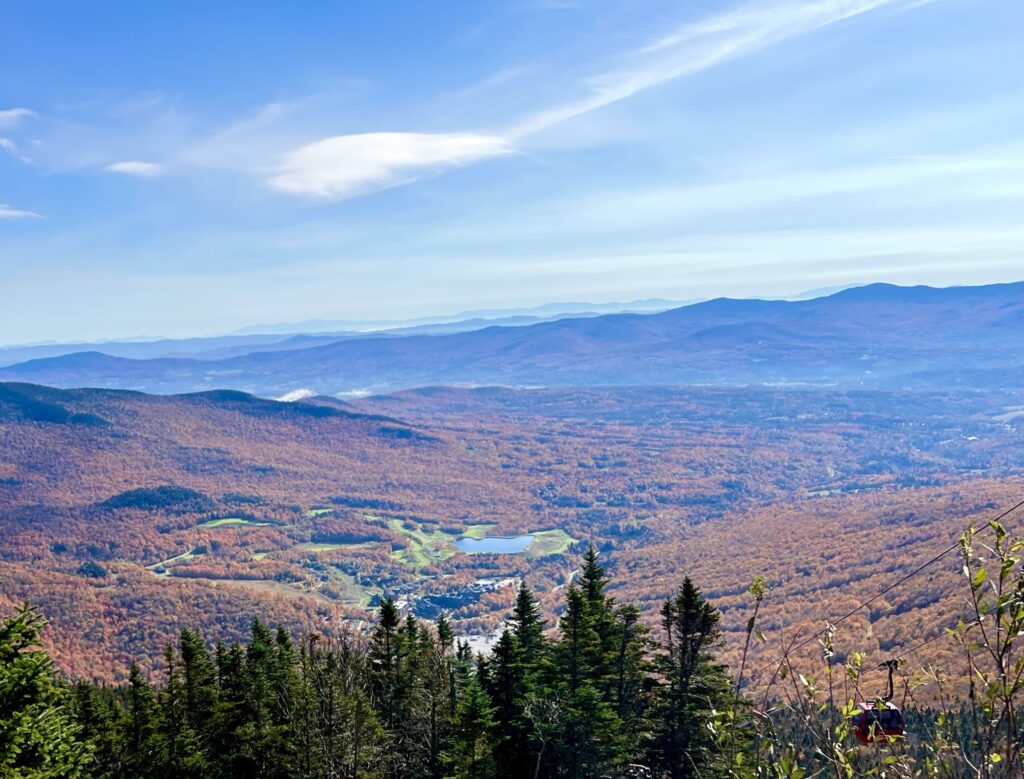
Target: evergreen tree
{"points": [[38, 737], [518, 669], [500, 681], [335, 727], [631, 676], [284, 687], [263, 735], [397, 662], [695, 684], [141, 744], [181, 752], [409, 705], [199, 685], [589, 743], [97, 715], [528, 625], [384, 664], [597, 611], [440, 688], [470, 755], [413, 738], [362, 737]]}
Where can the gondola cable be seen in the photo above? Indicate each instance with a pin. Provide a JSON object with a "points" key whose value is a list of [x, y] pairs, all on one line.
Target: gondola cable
{"points": [[881, 721], [946, 632], [952, 547]]}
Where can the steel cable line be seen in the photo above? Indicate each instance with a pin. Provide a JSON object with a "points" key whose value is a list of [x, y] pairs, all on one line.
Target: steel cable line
{"points": [[952, 547], [945, 633]]}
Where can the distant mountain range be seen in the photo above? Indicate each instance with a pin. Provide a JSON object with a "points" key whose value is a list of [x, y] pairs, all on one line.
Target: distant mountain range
{"points": [[876, 336], [493, 315], [317, 332]]}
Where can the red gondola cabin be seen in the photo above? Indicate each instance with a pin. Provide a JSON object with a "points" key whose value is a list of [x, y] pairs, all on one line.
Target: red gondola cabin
{"points": [[879, 722]]}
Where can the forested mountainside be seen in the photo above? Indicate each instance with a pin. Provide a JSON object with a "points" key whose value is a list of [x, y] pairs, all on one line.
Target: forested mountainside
{"points": [[874, 337], [600, 696], [126, 515]]}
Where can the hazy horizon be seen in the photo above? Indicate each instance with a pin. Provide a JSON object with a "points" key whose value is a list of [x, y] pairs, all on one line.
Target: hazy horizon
{"points": [[555, 309]]}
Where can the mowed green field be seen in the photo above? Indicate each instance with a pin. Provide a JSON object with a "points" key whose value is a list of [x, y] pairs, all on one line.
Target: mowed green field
{"points": [[315, 546], [424, 548], [227, 521], [549, 542], [478, 531]]}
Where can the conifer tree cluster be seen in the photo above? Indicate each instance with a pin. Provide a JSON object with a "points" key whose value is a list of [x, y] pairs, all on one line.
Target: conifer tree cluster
{"points": [[594, 698]]}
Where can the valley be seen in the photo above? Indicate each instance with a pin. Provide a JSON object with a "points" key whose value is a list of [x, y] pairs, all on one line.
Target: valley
{"points": [[204, 509]]}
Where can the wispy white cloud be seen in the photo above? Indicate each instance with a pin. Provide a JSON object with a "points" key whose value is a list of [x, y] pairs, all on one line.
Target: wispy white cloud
{"points": [[11, 148], [6, 212], [248, 143], [346, 166], [349, 165], [698, 46], [136, 168], [766, 23], [494, 81], [9, 117]]}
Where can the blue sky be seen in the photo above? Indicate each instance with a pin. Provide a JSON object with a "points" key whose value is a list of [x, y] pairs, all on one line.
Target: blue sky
{"points": [[192, 167]]}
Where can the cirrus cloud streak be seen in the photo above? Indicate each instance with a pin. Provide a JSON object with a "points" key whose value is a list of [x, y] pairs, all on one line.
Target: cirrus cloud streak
{"points": [[6, 212]]}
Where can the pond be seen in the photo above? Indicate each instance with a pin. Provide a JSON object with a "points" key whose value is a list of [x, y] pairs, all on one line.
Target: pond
{"points": [[494, 545]]}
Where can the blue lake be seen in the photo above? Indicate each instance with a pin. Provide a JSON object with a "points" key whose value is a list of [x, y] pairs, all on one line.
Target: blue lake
{"points": [[494, 545]]}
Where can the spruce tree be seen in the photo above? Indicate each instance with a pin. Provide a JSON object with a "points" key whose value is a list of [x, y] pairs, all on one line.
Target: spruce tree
{"points": [[262, 742], [38, 737], [597, 611], [199, 685], [141, 744], [181, 751], [500, 682], [334, 725], [695, 684], [413, 737], [384, 664], [470, 755], [97, 715], [631, 678], [528, 625], [440, 691], [589, 743]]}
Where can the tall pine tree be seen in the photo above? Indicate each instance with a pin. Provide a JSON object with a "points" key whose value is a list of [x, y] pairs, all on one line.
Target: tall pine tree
{"points": [[695, 683]]}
